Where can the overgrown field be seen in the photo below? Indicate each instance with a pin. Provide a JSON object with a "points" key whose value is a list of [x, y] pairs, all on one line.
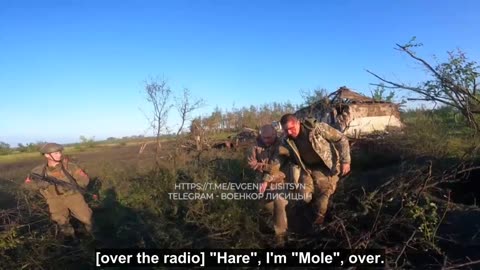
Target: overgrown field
{"points": [[412, 194]]}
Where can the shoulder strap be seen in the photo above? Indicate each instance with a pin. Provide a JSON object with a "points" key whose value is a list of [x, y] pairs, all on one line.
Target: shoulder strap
{"points": [[69, 176], [44, 170], [309, 123]]}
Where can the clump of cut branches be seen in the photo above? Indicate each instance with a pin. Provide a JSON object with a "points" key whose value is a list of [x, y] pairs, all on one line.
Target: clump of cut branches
{"points": [[406, 216]]}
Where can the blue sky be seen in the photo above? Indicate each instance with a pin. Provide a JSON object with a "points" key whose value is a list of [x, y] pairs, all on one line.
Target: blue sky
{"points": [[71, 68]]}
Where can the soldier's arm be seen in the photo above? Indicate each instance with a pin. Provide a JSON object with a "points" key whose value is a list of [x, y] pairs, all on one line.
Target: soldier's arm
{"points": [[338, 139], [279, 158], [252, 158], [34, 185], [79, 175]]}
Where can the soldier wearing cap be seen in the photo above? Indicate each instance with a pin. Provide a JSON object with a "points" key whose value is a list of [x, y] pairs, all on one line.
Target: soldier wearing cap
{"points": [[61, 200]]}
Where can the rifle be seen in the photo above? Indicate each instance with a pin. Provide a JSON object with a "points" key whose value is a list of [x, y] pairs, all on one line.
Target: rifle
{"points": [[54, 181]]}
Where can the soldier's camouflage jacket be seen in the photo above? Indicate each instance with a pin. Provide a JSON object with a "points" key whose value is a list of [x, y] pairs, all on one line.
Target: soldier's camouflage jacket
{"points": [[264, 154], [330, 144], [49, 190]]}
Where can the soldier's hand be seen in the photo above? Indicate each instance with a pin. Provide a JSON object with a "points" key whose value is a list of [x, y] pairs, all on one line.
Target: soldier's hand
{"points": [[278, 177], [252, 162], [265, 160], [267, 178], [259, 167], [345, 169]]}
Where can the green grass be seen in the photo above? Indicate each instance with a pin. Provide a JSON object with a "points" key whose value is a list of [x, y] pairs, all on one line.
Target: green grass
{"points": [[221, 136], [135, 209], [440, 133], [15, 157], [71, 150]]}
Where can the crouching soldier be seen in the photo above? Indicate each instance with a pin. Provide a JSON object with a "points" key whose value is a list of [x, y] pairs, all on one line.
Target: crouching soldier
{"points": [[259, 159], [323, 154], [61, 183]]}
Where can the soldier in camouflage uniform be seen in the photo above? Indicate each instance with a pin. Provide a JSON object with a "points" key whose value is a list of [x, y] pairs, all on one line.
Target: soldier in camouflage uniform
{"points": [[323, 154], [62, 200], [260, 159]]}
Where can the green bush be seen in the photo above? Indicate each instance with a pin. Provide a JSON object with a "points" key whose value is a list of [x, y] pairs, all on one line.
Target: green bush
{"points": [[5, 148], [28, 148], [87, 143], [440, 132]]}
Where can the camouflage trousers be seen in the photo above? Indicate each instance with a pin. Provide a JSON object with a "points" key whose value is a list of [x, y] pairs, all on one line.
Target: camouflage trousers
{"points": [[321, 184], [277, 209], [60, 208], [274, 203]]}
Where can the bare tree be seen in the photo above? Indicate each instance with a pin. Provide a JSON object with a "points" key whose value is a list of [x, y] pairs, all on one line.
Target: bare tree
{"points": [[158, 94], [185, 106], [197, 132], [453, 83]]}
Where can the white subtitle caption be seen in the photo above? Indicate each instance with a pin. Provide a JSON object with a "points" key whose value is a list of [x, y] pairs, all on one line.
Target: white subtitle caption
{"points": [[224, 258]]}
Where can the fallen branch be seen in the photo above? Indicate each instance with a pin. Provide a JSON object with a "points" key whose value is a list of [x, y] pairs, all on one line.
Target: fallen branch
{"points": [[461, 265], [345, 232], [405, 247]]}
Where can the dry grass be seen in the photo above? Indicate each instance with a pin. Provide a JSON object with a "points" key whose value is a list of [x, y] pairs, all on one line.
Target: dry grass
{"points": [[395, 199]]}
